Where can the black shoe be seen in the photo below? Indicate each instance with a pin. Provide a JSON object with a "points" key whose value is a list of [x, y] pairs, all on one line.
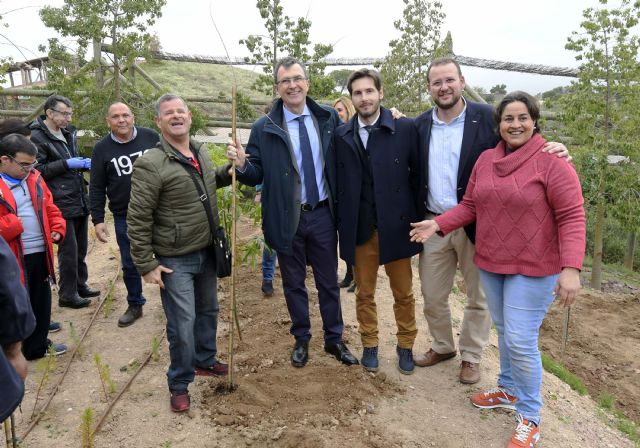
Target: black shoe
{"points": [[133, 313], [342, 353], [346, 281], [352, 288], [300, 354], [74, 302], [86, 292], [267, 288]]}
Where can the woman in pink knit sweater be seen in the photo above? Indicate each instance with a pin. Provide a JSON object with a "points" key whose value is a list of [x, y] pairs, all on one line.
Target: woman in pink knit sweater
{"points": [[530, 242]]}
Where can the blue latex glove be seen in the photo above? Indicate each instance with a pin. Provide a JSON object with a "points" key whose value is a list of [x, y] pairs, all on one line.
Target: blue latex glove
{"points": [[87, 164], [76, 163]]}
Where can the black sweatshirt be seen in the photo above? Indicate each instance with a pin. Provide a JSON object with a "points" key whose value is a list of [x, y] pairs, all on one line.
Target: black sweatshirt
{"points": [[111, 168]]}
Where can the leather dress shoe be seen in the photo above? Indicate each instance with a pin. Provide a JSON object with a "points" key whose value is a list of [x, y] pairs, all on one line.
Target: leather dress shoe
{"points": [[74, 302], [300, 354], [133, 313], [469, 372], [342, 353], [432, 358], [85, 292]]}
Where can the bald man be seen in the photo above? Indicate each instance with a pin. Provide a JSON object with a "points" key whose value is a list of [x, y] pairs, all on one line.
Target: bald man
{"points": [[111, 167]]}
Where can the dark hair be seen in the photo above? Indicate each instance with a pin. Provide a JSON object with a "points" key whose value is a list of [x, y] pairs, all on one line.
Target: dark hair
{"points": [[15, 143], [53, 101], [14, 126], [533, 107], [287, 62], [166, 98], [443, 61], [365, 73]]}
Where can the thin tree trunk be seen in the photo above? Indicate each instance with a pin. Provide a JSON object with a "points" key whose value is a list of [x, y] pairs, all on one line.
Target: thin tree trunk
{"points": [[596, 272], [631, 249], [97, 58]]}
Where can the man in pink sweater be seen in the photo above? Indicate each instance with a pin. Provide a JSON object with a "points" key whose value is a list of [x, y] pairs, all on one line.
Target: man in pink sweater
{"points": [[530, 242]]}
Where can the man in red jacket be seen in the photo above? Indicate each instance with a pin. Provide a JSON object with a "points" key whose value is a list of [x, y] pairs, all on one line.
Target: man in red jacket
{"points": [[30, 222]]}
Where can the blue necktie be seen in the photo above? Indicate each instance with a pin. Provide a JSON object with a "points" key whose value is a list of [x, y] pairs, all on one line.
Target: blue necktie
{"points": [[309, 169]]}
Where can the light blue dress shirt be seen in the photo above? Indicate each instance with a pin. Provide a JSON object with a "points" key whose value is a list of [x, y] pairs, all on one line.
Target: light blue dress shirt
{"points": [[444, 157], [294, 136]]}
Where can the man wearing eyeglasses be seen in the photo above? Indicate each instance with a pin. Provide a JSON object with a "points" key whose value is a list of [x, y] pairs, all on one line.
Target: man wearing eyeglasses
{"points": [[288, 151], [62, 168], [30, 223], [111, 167]]}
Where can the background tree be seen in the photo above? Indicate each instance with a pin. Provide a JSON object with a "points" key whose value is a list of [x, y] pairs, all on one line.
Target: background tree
{"points": [[600, 114], [286, 37], [404, 69], [340, 78], [499, 89], [121, 23]]}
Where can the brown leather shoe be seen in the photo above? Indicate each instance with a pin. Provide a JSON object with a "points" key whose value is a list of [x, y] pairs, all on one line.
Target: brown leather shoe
{"points": [[469, 372], [431, 358]]}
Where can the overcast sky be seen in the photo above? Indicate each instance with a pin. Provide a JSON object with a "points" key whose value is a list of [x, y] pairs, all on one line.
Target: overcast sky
{"points": [[507, 30]]}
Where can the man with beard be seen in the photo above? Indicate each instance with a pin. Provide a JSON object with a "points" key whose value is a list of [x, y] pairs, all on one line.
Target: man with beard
{"points": [[452, 136], [377, 185]]}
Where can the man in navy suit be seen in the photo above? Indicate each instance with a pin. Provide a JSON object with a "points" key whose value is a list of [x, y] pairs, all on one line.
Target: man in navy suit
{"points": [[378, 174], [452, 136], [288, 153]]}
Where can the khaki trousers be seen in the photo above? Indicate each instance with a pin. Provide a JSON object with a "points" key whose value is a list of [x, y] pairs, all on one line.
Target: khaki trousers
{"points": [[400, 279], [438, 262]]}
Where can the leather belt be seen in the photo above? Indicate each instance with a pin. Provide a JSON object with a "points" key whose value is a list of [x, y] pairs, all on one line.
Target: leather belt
{"points": [[309, 208], [434, 213]]}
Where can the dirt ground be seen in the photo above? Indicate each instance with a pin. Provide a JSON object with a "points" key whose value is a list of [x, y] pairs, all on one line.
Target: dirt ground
{"points": [[324, 404], [603, 344]]}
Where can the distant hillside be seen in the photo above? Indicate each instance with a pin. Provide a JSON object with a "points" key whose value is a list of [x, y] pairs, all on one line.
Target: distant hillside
{"points": [[190, 78]]}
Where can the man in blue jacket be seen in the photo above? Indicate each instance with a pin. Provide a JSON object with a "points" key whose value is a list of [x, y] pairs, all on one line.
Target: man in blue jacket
{"points": [[16, 324], [288, 153], [378, 175]]}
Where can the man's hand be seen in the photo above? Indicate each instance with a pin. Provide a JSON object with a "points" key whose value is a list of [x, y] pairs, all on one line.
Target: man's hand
{"points": [[396, 114], [568, 286], [14, 355], [423, 230], [55, 237], [101, 232], [236, 154], [558, 149], [258, 197], [155, 276]]}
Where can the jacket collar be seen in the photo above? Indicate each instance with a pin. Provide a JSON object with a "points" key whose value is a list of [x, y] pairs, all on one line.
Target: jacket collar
{"points": [[274, 119], [386, 121], [169, 150]]}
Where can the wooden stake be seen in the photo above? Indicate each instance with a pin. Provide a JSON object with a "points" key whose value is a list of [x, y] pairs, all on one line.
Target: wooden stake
{"points": [[565, 331], [232, 289]]}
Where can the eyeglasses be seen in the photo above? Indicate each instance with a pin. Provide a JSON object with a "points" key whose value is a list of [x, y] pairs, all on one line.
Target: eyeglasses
{"points": [[27, 167], [291, 81], [64, 114]]}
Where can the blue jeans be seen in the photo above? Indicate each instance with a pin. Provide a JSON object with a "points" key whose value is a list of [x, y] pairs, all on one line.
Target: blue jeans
{"points": [[268, 263], [190, 302], [518, 305], [130, 274]]}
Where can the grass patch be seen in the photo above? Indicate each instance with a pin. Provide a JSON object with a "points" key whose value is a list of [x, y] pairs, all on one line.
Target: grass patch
{"points": [[557, 369], [606, 402]]}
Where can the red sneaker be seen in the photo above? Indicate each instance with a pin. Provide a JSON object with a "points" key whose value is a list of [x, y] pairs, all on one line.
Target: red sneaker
{"points": [[526, 434], [218, 369], [180, 400], [494, 398]]}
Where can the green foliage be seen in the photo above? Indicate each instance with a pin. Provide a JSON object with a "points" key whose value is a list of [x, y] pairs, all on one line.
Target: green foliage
{"points": [[86, 429], [155, 348], [75, 338], [500, 89], [122, 23], [340, 78], [600, 114], [287, 37], [404, 69], [108, 385], [561, 372], [44, 368], [606, 401]]}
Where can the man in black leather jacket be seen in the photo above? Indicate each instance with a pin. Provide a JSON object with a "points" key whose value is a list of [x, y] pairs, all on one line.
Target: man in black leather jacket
{"points": [[62, 168]]}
